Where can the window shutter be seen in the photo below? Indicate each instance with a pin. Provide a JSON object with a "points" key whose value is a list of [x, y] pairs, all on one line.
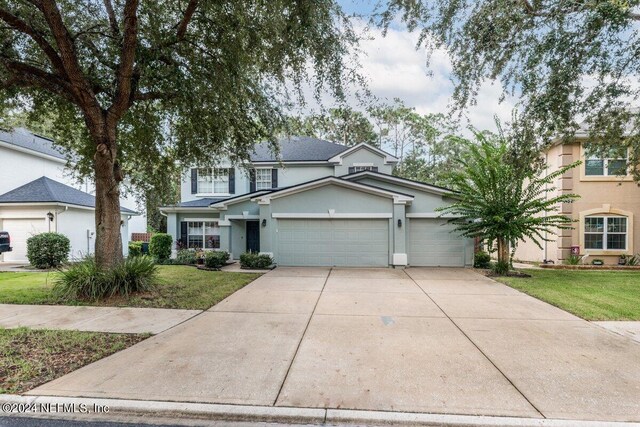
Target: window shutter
{"points": [[252, 180], [183, 234], [374, 169], [274, 178], [194, 181], [352, 169], [232, 181]]}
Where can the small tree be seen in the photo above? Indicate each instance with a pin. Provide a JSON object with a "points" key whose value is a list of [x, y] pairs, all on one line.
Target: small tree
{"points": [[501, 199]]}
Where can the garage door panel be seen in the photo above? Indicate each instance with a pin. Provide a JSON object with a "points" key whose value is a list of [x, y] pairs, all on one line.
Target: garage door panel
{"points": [[432, 243], [327, 242], [20, 230]]}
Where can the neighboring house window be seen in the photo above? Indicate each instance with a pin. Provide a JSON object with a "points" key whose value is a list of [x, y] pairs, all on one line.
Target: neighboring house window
{"points": [[213, 181], [263, 179], [605, 232], [203, 235], [614, 163]]}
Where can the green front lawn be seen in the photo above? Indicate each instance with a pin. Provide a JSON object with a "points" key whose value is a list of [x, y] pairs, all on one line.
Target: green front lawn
{"points": [[180, 287], [592, 295], [29, 357]]}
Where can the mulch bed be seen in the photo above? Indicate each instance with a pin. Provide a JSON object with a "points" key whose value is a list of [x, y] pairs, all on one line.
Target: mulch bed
{"points": [[511, 273]]}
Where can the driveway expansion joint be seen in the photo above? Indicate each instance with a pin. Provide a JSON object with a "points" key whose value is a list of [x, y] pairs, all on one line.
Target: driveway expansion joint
{"points": [[480, 350]]}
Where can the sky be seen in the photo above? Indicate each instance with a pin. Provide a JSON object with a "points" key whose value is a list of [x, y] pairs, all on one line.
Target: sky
{"points": [[395, 68]]}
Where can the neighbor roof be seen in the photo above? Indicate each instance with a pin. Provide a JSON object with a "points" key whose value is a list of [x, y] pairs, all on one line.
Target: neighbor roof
{"points": [[298, 149], [22, 138], [46, 190]]}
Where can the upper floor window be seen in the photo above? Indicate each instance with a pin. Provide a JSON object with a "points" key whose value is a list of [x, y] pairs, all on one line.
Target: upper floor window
{"points": [[611, 164], [263, 179], [605, 232], [213, 180]]}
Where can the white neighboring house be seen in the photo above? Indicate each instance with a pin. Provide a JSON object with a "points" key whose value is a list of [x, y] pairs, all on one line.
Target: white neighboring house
{"points": [[38, 194]]}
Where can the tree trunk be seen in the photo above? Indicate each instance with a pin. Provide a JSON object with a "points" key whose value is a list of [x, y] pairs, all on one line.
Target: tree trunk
{"points": [[503, 250], [108, 248]]}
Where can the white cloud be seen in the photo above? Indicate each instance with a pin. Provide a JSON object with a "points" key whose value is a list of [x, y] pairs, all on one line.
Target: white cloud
{"points": [[394, 68]]}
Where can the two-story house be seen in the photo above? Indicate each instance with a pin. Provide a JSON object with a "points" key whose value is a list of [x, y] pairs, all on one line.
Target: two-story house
{"points": [[317, 204], [604, 216], [38, 194]]}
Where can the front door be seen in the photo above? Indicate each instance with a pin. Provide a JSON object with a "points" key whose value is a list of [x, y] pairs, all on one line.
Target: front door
{"points": [[253, 236]]}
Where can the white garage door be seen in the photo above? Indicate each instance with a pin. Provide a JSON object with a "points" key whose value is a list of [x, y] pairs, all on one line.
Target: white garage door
{"points": [[431, 243], [333, 242], [20, 230]]}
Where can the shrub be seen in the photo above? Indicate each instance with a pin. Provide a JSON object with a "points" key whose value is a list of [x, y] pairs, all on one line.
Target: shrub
{"points": [[48, 250], [500, 267], [160, 246], [633, 260], [84, 280], [135, 249], [186, 257], [215, 259], [573, 259], [481, 260], [254, 260]]}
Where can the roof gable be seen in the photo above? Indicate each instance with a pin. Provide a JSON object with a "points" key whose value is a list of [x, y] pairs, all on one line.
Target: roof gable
{"points": [[46, 190], [388, 158], [331, 180]]}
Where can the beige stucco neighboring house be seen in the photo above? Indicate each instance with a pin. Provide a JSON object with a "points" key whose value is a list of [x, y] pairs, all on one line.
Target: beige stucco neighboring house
{"points": [[607, 214]]}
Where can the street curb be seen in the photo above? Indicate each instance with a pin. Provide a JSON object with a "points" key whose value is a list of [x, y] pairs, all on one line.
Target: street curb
{"points": [[224, 412]]}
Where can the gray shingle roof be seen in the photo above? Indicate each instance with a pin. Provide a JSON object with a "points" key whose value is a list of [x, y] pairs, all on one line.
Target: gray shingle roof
{"points": [[21, 137], [46, 190], [298, 149], [200, 203]]}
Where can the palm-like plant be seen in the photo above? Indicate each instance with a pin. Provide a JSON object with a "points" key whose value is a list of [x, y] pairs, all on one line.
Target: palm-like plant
{"points": [[502, 200]]}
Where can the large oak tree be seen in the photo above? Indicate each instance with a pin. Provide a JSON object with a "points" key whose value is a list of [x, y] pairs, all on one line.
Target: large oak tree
{"points": [[565, 60], [137, 87]]}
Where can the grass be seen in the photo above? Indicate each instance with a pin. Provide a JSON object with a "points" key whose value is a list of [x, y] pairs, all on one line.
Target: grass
{"points": [[180, 287], [29, 357], [592, 295]]}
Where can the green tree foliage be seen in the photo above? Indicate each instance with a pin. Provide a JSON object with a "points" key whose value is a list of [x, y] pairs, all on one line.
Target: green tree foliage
{"points": [[565, 59], [503, 201], [137, 88], [343, 125]]}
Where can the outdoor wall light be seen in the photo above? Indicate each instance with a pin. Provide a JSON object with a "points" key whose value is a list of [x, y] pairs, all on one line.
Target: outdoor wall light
{"points": [[264, 222], [50, 216], [399, 223]]}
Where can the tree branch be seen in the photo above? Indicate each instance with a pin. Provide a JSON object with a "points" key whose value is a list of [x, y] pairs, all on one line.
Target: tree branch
{"points": [[186, 18], [127, 59], [113, 22], [152, 96], [26, 75], [79, 85], [21, 26]]}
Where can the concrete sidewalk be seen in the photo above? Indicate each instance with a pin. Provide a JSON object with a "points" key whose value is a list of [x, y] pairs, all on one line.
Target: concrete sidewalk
{"points": [[421, 340], [95, 319]]}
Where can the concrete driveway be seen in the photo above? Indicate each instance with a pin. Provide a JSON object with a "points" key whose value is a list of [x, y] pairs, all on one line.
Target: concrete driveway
{"points": [[419, 340]]}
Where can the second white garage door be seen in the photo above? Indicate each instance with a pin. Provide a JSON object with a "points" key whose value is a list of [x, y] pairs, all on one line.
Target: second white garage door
{"points": [[333, 242], [431, 243], [20, 230]]}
